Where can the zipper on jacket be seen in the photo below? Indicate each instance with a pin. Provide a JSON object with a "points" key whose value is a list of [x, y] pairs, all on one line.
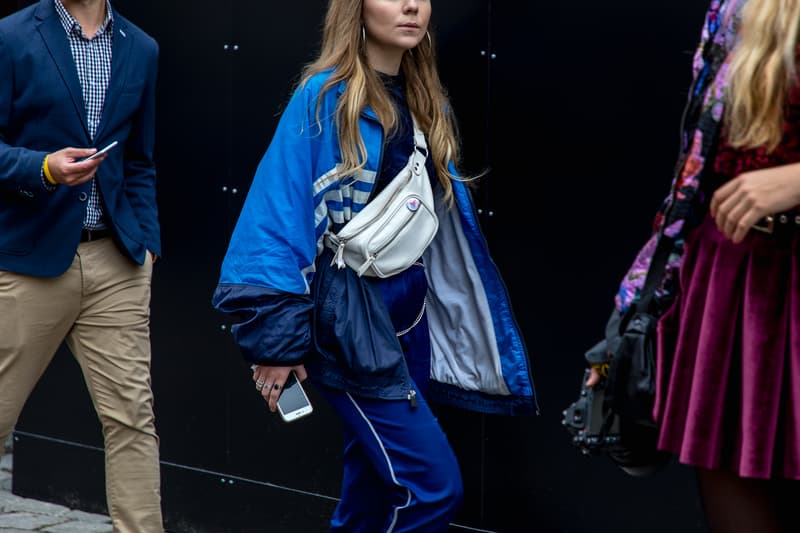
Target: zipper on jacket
{"points": [[412, 397]]}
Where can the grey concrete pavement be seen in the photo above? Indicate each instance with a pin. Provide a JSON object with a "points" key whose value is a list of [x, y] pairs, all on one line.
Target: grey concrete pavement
{"points": [[21, 515]]}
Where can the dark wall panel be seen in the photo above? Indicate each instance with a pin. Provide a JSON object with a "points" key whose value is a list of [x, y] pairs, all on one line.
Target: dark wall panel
{"points": [[585, 105], [271, 47], [190, 367], [7, 7]]}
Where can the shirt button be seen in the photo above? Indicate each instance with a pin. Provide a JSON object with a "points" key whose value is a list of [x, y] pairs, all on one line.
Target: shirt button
{"points": [[83, 196]]}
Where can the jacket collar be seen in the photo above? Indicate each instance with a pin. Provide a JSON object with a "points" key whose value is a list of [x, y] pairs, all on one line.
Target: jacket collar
{"points": [[368, 112], [55, 38]]}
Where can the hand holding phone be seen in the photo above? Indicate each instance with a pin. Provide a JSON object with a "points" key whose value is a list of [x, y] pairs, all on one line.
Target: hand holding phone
{"points": [[293, 402], [100, 152]]}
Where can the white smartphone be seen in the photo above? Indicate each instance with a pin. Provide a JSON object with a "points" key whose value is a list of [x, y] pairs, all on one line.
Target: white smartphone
{"points": [[101, 151], [293, 402]]}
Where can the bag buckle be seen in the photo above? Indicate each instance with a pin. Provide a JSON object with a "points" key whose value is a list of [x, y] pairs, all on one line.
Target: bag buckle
{"points": [[765, 225]]}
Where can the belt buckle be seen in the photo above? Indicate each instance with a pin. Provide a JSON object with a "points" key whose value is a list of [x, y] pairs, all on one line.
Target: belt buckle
{"points": [[765, 225]]}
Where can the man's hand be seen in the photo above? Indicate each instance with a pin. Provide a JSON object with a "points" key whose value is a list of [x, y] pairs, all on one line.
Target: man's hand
{"points": [[66, 169]]}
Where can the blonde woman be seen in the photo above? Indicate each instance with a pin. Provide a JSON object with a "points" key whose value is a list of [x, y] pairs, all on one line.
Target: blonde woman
{"points": [[728, 396], [377, 348]]}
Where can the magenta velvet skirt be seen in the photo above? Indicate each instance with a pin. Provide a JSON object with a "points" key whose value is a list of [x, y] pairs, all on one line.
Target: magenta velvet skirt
{"points": [[728, 393]]}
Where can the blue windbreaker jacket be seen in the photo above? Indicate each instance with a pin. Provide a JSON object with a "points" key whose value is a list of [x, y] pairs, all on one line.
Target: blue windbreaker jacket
{"points": [[478, 359]]}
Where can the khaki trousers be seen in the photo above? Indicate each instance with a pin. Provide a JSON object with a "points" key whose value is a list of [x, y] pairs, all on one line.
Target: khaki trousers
{"points": [[101, 308]]}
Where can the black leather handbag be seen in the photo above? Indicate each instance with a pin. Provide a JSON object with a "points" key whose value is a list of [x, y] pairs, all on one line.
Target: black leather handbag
{"points": [[614, 418]]}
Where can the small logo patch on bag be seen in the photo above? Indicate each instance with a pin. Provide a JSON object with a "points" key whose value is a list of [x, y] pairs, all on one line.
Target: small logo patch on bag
{"points": [[412, 204]]}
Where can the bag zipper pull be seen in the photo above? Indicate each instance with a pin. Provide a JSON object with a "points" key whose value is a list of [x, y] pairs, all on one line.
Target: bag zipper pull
{"points": [[338, 258], [366, 265], [412, 397]]}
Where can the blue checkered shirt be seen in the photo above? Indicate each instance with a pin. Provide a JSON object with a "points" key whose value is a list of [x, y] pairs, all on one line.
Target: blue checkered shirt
{"points": [[92, 58]]}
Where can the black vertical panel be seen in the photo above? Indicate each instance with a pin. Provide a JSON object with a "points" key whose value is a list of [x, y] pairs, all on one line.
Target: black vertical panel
{"points": [[270, 47], [9, 6], [192, 154], [6, 8], [585, 106], [461, 29]]}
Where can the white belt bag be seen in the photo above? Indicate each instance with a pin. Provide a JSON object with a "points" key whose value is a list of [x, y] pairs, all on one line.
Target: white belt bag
{"points": [[395, 227]]}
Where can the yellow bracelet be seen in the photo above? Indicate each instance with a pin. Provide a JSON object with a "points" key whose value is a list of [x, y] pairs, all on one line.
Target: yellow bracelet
{"points": [[47, 175]]}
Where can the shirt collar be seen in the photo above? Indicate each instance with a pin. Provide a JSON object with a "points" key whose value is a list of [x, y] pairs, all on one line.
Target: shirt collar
{"points": [[69, 23]]}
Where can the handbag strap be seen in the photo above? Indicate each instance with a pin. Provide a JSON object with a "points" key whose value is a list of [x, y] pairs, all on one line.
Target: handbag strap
{"points": [[654, 273], [419, 139], [694, 118], [678, 211]]}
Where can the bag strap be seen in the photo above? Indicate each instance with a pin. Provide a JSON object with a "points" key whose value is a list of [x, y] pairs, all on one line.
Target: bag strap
{"points": [[654, 273], [681, 206], [420, 150], [419, 138], [678, 210]]}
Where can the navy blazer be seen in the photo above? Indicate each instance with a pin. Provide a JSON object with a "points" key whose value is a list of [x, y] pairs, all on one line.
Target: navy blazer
{"points": [[41, 111]]}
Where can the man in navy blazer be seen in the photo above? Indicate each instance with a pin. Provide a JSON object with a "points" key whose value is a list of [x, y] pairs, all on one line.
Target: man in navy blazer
{"points": [[78, 237]]}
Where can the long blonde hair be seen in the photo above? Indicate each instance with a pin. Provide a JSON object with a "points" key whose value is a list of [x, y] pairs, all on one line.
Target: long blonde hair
{"points": [[762, 71], [342, 50]]}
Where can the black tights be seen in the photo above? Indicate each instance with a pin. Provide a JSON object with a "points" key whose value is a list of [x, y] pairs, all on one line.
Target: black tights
{"points": [[733, 504]]}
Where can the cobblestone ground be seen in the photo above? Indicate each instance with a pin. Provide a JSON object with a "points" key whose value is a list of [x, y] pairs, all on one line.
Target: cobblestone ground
{"points": [[20, 515]]}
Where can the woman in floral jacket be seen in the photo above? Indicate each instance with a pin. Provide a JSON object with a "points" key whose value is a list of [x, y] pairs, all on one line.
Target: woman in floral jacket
{"points": [[728, 385]]}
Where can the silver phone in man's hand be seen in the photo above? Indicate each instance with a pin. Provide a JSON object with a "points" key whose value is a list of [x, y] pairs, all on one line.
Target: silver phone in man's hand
{"points": [[293, 402], [101, 151]]}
